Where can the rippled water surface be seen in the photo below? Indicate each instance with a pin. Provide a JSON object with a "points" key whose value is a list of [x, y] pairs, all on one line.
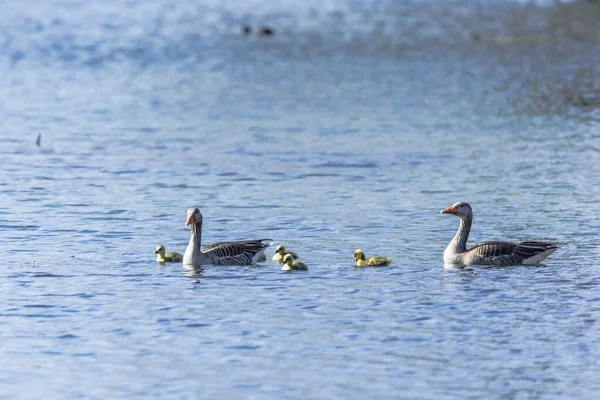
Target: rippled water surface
{"points": [[351, 128]]}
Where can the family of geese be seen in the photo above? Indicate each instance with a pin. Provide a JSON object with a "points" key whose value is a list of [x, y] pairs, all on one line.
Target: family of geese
{"points": [[250, 252]]}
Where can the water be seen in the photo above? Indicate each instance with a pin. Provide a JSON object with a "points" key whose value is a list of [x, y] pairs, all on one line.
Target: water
{"points": [[351, 128]]}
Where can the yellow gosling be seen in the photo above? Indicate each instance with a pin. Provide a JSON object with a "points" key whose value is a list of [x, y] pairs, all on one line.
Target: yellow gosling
{"points": [[289, 264], [161, 257], [374, 261], [280, 251]]}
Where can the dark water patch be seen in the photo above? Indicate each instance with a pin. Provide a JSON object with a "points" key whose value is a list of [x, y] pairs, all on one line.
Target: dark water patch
{"points": [[314, 175], [63, 205], [19, 227], [86, 166], [337, 164], [68, 336], [49, 275], [111, 212], [161, 185], [40, 305], [356, 178], [88, 232], [433, 192], [197, 325], [32, 315], [79, 295], [243, 347], [245, 179], [126, 171]]}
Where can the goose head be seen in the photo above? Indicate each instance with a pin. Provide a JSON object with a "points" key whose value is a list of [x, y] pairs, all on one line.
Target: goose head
{"points": [[460, 209], [160, 249], [358, 255], [193, 216]]}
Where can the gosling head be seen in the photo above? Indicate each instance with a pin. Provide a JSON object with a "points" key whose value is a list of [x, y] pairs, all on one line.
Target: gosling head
{"points": [[280, 250], [358, 255], [460, 209], [193, 216], [160, 249]]}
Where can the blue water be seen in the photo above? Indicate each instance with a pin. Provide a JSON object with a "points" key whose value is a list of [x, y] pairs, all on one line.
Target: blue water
{"points": [[351, 128]]}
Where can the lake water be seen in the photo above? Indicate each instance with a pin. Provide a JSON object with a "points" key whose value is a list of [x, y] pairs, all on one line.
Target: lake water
{"points": [[351, 128]]}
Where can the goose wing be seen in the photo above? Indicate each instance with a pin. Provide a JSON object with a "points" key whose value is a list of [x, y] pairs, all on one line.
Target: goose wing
{"points": [[236, 253], [509, 253]]}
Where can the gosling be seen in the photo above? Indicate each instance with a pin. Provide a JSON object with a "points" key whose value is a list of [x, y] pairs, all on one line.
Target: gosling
{"points": [[161, 257], [289, 264], [374, 261], [280, 251]]}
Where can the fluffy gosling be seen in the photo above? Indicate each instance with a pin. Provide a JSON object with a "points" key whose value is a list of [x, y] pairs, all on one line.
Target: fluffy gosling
{"points": [[280, 251], [289, 264], [161, 257], [374, 261]]}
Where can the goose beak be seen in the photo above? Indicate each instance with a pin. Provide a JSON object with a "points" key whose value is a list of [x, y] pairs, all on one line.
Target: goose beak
{"points": [[449, 210], [156, 252], [190, 220]]}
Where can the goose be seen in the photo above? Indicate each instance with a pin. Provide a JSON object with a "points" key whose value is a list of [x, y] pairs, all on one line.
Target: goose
{"points": [[373, 261], [246, 252], [280, 251], [161, 257], [490, 253], [266, 31], [289, 264]]}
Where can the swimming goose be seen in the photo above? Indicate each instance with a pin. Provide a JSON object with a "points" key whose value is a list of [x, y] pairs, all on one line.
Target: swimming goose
{"points": [[289, 264], [280, 251], [161, 257], [245, 252], [489, 253], [266, 31], [373, 261]]}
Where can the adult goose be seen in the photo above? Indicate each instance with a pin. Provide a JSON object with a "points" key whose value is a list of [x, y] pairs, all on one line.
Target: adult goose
{"points": [[246, 252], [489, 253]]}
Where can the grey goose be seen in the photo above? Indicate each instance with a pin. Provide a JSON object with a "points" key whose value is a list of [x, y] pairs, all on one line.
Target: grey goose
{"points": [[490, 253], [245, 252]]}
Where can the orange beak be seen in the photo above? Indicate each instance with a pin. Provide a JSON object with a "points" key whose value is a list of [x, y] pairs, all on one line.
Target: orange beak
{"points": [[190, 220], [449, 210]]}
